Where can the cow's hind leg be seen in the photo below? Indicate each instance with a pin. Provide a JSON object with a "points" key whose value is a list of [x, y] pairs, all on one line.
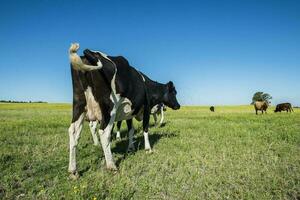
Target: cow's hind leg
{"points": [[130, 135], [155, 118], [105, 137], [74, 134], [119, 123], [93, 127], [161, 116]]}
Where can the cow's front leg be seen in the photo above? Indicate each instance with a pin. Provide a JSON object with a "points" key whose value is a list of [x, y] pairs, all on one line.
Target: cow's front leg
{"points": [[74, 134], [146, 118], [93, 127], [161, 115], [105, 137]]}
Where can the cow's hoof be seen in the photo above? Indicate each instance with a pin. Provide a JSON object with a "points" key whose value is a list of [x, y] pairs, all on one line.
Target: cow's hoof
{"points": [[112, 167], [96, 144], [74, 175], [130, 150], [149, 151]]}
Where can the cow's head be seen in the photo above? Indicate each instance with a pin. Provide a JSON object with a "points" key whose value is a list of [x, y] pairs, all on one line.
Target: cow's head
{"points": [[170, 99]]}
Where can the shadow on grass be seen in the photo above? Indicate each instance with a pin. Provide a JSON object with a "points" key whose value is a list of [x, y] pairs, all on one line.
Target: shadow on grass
{"points": [[85, 169], [121, 146]]}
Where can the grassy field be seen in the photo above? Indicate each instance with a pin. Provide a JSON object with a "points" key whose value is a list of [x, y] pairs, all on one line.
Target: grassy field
{"points": [[229, 154]]}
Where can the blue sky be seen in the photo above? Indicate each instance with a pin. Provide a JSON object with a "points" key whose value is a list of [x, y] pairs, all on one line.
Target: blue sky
{"points": [[216, 52]]}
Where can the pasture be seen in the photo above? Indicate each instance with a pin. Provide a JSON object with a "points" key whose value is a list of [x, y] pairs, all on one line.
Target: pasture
{"points": [[228, 154]]}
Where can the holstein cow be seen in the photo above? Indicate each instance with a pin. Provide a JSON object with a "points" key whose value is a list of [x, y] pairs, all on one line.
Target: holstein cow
{"points": [[107, 89], [156, 110], [284, 107], [261, 105]]}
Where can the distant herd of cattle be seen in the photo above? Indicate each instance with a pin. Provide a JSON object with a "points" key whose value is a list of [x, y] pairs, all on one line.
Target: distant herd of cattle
{"points": [[107, 89], [263, 106]]}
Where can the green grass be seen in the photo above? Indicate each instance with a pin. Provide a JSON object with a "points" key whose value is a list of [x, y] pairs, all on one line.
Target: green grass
{"points": [[229, 154]]}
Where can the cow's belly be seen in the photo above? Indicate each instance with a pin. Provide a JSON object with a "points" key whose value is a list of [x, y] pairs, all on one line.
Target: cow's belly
{"points": [[93, 111]]}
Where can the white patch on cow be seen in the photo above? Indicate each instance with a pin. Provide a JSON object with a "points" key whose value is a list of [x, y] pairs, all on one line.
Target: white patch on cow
{"points": [[142, 76], [161, 115], [92, 106], [103, 55], [147, 143], [74, 134], [118, 135], [131, 142], [154, 109], [93, 127], [99, 63]]}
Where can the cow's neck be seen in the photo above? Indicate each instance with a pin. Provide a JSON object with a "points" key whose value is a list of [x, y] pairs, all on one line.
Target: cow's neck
{"points": [[156, 93]]}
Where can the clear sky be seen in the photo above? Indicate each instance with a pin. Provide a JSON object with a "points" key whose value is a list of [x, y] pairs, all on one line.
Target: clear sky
{"points": [[216, 52]]}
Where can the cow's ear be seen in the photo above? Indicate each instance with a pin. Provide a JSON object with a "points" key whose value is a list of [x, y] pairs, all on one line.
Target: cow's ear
{"points": [[170, 84]]}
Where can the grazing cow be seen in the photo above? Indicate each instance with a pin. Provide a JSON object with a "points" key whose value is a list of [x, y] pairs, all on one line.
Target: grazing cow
{"points": [[284, 107], [261, 105], [156, 110], [107, 89], [212, 109]]}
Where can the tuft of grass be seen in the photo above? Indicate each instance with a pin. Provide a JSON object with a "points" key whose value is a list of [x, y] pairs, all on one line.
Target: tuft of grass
{"points": [[228, 154]]}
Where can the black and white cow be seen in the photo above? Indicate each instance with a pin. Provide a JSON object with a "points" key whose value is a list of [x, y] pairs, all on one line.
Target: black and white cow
{"points": [[107, 89]]}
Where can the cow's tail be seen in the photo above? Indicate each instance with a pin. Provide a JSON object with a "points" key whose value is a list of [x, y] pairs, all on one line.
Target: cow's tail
{"points": [[76, 61]]}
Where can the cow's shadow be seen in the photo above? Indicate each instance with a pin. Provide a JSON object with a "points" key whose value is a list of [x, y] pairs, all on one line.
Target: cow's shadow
{"points": [[121, 146]]}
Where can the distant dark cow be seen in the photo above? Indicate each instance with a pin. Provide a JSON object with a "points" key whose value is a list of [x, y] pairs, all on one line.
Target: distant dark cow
{"points": [[261, 105], [212, 109], [107, 89], [284, 107]]}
